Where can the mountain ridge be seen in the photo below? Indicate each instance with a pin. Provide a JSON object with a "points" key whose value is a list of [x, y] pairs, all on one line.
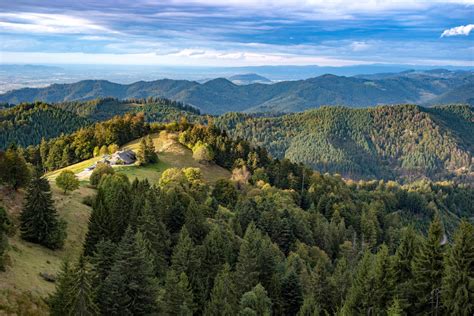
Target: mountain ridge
{"points": [[220, 95]]}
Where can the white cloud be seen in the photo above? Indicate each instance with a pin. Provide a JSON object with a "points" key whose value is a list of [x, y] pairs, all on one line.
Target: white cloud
{"points": [[459, 30], [48, 23]]}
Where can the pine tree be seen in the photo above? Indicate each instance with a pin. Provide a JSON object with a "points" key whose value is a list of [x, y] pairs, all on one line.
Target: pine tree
{"points": [[309, 307], [247, 273], [359, 300], [428, 270], [256, 302], [458, 281], [223, 297], [195, 223], [99, 227], [185, 257], [179, 299], [102, 261], [158, 238], [383, 281], [81, 293], [39, 221], [110, 212], [291, 293], [402, 269], [130, 288], [58, 301]]}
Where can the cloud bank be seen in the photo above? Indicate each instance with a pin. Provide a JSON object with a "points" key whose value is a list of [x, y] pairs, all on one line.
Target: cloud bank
{"points": [[459, 30]]}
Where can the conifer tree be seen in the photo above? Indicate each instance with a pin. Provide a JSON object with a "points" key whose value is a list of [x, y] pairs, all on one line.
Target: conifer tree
{"points": [[195, 223], [402, 269], [158, 238], [185, 257], [223, 296], [458, 281], [428, 270], [102, 261], [81, 294], [359, 300], [39, 221], [383, 281], [130, 288], [179, 299], [99, 227], [247, 273], [58, 301], [256, 302], [291, 293], [309, 307]]}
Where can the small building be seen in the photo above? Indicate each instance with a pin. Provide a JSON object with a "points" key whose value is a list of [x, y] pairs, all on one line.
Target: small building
{"points": [[123, 157]]}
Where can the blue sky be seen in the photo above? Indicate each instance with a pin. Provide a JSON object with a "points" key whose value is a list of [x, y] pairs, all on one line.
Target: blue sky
{"points": [[237, 32]]}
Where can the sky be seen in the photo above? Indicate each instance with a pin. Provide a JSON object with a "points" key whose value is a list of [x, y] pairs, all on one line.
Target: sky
{"points": [[236, 33]]}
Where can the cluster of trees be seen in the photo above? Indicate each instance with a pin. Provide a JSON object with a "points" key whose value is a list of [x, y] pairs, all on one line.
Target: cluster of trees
{"points": [[82, 144], [14, 170], [389, 142], [183, 247], [146, 151]]}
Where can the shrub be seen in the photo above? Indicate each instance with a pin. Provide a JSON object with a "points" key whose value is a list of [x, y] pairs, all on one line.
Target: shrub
{"points": [[100, 170], [67, 181]]}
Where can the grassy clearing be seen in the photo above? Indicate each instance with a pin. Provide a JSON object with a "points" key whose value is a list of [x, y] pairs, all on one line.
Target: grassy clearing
{"points": [[171, 154], [27, 260]]}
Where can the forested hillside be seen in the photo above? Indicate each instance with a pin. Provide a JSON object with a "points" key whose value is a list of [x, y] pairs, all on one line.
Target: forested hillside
{"points": [[388, 142], [276, 238], [27, 124], [220, 95]]}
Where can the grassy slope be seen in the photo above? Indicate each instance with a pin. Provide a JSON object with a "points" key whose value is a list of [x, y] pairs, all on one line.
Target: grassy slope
{"points": [[28, 260]]}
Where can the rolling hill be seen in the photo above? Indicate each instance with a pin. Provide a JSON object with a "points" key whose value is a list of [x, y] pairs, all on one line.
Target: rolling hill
{"points": [[390, 142], [220, 95]]}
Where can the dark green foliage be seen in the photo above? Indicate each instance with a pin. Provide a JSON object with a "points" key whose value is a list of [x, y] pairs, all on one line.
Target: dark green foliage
{"points": [[80, 295], [146, 151], [428, 270], [247, 273], [179, 299], [404, 142], [59, 300], [225, 192], [291, 294], [223, 298], [39, 220], [27, 124], [458, 281], [13, 168], [6, 228], [157, 237], [130, 287], [111, 212], [256, 302]]}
